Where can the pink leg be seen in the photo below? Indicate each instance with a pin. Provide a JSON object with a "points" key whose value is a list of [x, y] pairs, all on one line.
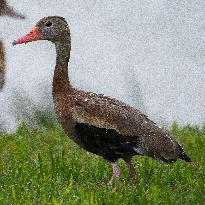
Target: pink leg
{"points": [[131, 169], [115, 172]]}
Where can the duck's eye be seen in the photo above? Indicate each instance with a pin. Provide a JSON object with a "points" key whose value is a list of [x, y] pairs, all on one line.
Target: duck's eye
{"points": [[48, 23]]}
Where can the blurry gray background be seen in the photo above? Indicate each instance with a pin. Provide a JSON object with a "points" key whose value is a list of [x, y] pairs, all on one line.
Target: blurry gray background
{"points": [[148, 53]]}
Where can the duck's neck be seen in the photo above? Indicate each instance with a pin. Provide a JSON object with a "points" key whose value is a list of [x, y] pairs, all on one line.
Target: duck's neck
{"points": [[61, 81]]}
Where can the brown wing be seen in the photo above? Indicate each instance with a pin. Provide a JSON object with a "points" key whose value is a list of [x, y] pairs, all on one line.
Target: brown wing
{"points": [[105, 112]]}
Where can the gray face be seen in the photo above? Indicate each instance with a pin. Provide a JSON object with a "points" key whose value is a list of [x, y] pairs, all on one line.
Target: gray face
{"points": [[53, 28]]}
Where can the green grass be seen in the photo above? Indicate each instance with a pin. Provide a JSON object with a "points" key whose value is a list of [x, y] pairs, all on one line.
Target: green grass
{"points": [[45, 167]]}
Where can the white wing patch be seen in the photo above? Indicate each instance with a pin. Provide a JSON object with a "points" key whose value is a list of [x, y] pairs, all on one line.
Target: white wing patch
{"points": [[139, 150], [81, 116]]}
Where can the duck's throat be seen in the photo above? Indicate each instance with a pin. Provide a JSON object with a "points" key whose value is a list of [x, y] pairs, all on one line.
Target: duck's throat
{"points": [[60, 80]]}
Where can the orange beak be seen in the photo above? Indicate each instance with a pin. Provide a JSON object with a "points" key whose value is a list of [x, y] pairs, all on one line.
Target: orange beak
{"points": [[33, 35]]}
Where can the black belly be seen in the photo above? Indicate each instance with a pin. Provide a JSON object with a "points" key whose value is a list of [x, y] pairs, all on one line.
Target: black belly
{"points": [[105, 142]]}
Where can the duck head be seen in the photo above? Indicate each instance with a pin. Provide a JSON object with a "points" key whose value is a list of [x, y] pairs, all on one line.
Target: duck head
{"points": [[51, 28]]}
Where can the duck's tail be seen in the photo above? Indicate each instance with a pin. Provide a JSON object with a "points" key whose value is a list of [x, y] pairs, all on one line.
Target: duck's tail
{"points": [[183, 155]]}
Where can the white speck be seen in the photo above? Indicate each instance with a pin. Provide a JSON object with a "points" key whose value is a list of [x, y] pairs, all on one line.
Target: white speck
{"points": [[139, 150], [170, 139], [86, 99], [145, 122]]}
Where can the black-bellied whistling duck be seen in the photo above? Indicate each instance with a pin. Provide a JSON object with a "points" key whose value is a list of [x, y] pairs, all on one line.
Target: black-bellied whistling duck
{"points": [[100, 124], [5, 10]]}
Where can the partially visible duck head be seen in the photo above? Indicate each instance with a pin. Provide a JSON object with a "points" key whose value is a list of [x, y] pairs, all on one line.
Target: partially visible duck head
{"points": [[6, 10], [51, 28]]}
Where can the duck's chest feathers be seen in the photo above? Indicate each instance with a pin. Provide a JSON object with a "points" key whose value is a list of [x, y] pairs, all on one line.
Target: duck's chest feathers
{"points": [[63, 107], [61, 103]]}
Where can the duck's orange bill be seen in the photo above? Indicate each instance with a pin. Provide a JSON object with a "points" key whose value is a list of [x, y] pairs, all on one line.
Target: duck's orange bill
{"points": [[33, 35]]}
